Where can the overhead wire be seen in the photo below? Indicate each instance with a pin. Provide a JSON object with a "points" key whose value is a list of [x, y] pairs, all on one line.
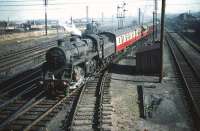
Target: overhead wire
{"points": [[55, 6], [54, 2]]}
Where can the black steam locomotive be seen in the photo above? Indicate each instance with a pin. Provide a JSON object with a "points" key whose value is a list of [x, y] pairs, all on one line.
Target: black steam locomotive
{"points": [[67, 64]]}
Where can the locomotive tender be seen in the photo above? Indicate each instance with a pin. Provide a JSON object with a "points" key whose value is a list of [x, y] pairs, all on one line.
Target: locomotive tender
{"points": [[68, 64]]}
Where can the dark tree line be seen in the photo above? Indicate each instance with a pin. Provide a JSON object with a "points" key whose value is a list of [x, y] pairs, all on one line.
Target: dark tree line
{"points": [[3, 24]]}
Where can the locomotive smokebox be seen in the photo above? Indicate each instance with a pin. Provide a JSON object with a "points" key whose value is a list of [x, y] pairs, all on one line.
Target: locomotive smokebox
{"points": [[55, 58]]}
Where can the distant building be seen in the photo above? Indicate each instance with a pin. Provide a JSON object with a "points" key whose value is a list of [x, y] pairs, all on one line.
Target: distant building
{"points": [[187, 22]]}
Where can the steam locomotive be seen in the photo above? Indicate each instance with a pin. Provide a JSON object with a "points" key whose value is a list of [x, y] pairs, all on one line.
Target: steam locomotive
{"points": [[68, 64]]}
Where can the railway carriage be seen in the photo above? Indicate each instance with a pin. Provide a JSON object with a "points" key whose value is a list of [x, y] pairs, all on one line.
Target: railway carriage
{"points": [[127, 37]]}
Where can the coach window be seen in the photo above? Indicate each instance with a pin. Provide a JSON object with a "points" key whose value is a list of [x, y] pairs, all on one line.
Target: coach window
{"points": [[119, 41]]}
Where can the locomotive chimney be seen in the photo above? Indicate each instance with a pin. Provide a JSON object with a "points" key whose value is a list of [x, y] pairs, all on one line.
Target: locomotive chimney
{"points": [[60, 42]]}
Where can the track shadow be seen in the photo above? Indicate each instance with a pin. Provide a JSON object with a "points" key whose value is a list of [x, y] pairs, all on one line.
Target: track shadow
{"points": [[128, 70], [130, 57], [123, 69]]}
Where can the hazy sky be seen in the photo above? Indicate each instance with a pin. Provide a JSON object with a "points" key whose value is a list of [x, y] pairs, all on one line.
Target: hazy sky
{"points": [[63, 9]]}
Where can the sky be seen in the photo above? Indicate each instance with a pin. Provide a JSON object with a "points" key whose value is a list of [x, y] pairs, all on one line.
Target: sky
{"points": [[64, 9]]}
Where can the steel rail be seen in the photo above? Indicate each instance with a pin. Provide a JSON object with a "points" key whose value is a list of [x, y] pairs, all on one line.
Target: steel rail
{"points": [[19, 81], [29, 89], [27, 128], [24, 109], [189, 76]]}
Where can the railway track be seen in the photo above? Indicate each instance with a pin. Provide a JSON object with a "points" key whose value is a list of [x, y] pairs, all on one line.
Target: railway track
{"points": [[181, 34], [195, 46], [34, 111], [16, 94], [21, 78], [92, 109], [17, 90], [25, 106], [17, 58], [187, 60]]}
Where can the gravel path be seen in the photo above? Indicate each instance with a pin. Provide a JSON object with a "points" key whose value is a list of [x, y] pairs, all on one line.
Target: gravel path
{"points": [[169, 109]]}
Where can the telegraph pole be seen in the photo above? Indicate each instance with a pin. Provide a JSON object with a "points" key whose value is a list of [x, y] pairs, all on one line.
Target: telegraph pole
{"points": [[87, 17], [189, 12], [118, 16], [112, 20], [162, 39], [139, 17], [8, 23], [71, 20], [102, 17], [45, 4], [153, 26], [155, 16]]}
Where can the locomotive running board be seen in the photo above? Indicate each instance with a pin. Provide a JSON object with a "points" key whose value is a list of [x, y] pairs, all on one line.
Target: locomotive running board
{"points": [[83, 59]]}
